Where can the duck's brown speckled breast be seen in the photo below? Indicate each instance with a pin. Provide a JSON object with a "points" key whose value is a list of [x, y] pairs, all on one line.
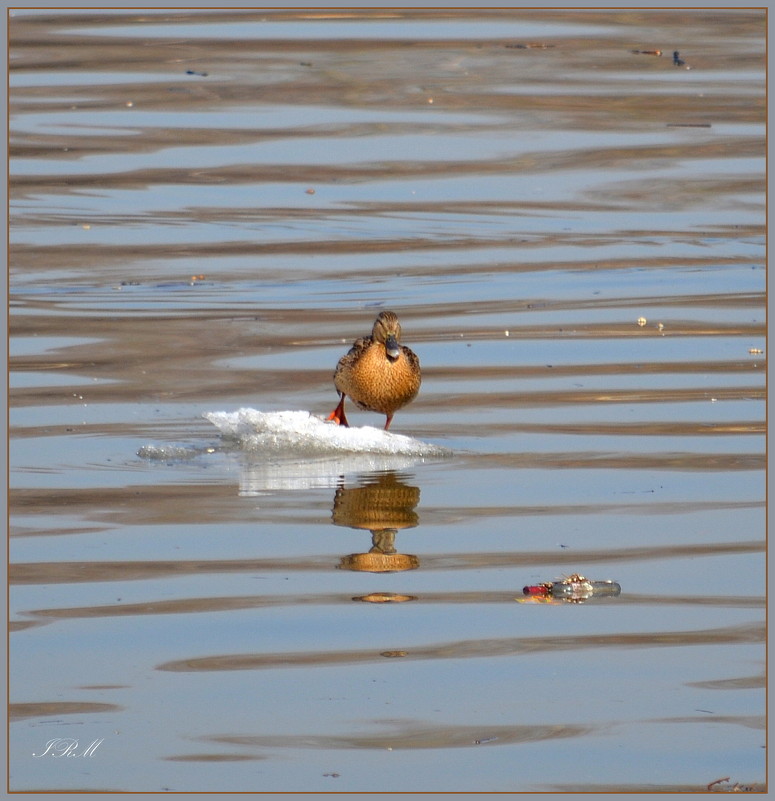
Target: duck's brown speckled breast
{"points": [[376, 383]]}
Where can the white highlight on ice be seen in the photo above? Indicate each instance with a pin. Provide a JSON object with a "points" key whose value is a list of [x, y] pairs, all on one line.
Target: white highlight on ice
{"points": [[294, 450], [299, 433]]}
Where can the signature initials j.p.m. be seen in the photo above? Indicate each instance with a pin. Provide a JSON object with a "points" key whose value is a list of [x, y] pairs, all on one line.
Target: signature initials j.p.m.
{"points": [[68, 747]]}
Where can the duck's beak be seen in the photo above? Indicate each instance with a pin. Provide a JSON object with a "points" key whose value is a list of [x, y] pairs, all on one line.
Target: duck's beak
{"points": [[392, 348]]}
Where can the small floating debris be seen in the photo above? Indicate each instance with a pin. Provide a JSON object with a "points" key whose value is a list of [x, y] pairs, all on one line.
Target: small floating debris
{"points": [[541, 590], [574, 588], [642, 321], [647, 52], [755, 351], [195, 72], [678, 61], [393, 654]]}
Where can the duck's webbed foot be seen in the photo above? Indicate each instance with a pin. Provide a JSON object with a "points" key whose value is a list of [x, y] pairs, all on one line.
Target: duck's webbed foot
{"points": [[338, 414]]}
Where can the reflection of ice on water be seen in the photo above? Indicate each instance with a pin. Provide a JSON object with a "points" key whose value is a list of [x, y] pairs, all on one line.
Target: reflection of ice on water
{"points": [[259, 475], [296, 450]]}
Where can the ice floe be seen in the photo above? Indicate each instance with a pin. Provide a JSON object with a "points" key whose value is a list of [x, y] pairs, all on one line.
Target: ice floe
{"points": [[291, 450], [300, 433]]}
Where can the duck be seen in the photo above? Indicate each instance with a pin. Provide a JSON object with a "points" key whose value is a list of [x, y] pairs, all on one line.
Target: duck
{"points": [[378, 373]]}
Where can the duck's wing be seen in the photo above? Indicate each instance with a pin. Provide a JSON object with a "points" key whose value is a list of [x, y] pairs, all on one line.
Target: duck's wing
{"points": [[411, 357], [349, 360], [358, 347]]}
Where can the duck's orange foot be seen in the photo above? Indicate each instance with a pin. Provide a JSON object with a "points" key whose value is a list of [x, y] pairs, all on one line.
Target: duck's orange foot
{"points": [[338, 415]]}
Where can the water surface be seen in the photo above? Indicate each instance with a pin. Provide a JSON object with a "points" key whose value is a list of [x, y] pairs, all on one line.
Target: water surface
{"points": [[207, 208]]}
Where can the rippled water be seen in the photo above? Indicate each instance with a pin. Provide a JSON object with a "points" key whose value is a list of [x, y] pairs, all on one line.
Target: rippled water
{"points": [[207, 208]]}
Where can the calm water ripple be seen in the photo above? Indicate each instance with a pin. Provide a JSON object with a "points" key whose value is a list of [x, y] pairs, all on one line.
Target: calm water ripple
{"points": [[206, 208]]}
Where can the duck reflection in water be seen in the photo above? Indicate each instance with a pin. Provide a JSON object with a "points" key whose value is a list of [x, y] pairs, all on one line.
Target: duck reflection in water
{"points": [[383, 505]]}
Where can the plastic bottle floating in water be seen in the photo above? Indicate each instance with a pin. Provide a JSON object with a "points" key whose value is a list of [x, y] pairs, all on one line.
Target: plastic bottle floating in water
{"points": [[572, 589]]}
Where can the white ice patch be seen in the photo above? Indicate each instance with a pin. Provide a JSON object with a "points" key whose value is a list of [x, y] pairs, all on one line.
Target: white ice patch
{"points": [[296, 450], [301, 434], [171, 453]]}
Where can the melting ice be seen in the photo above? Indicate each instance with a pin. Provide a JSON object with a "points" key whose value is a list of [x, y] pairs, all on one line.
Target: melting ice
{"points": [[294, 450], [299, 433]]}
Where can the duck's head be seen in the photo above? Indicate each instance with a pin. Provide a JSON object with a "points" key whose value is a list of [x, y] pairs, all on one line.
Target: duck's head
{"points": [[387, 330]]}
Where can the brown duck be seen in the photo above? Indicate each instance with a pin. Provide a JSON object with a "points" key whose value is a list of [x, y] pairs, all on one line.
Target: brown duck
{"points": [[378, 373]]}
